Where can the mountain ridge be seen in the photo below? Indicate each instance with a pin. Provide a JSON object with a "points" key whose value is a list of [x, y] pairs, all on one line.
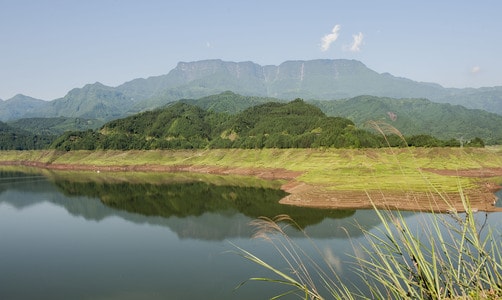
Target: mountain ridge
{"points": [[318, 79], [17, 106]]}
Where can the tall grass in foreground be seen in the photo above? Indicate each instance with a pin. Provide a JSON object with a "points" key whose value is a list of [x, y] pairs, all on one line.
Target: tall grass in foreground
{"points": [[454, 256], [303, 270], [451, 256]]}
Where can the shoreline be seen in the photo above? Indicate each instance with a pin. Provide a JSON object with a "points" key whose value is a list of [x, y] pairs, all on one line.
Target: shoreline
{"points": [[482, 198]]}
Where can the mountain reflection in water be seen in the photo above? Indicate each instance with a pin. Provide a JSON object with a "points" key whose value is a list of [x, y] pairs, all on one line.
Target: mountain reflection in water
{"points": [[84, 235], [207, 207]]}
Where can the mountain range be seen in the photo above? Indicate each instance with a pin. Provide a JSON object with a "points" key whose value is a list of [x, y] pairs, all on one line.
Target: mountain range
{"points": [[322, 79]]}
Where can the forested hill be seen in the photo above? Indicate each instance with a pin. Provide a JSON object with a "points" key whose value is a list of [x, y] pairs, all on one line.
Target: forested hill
{"points": [[229, 120], [229, 102], [409, 116], [295, 124], [419, 116], [55, 126], [181, 125], [17, 139]]}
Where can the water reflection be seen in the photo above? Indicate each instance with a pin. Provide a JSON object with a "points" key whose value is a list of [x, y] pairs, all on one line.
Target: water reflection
{"points": [[201, 207], [498, 202], [154, 236]]}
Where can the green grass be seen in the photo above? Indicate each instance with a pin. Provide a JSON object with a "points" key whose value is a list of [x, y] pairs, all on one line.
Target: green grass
{"points": [[334, 169]]}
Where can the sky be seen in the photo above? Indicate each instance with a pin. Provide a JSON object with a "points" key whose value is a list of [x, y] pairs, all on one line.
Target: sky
{"points": [[48, 47]]}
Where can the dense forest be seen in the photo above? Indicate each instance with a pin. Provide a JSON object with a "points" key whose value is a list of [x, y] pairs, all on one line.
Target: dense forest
{"points": [[16, 139], [295, 124], [419, 116], [55, 126], [411, 116]]}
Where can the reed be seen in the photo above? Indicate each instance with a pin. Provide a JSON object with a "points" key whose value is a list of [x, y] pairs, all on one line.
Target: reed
{"points": [[450, 256]]}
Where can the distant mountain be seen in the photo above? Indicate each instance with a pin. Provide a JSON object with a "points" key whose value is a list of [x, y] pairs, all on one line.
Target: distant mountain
{"points": [[487, 98], [18, 106], [314, 79], [204, 78], [322, 79], [93, 101]]}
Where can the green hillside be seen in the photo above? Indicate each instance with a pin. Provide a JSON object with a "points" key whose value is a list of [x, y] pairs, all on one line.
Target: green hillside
{"points": [[55, 126], [412, 116], [419, 116], [295, 124], [229, 102], [17, 139], [281, 125]]}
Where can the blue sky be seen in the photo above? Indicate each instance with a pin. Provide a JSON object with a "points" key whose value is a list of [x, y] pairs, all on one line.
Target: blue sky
{"points": [[48, 47]]}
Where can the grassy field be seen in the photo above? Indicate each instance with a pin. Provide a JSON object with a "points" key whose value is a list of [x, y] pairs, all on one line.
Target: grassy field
{"points": [[334, 169]]}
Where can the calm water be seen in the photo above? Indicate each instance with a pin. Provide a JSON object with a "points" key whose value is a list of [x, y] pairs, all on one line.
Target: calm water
{"points": [[81, 238]]}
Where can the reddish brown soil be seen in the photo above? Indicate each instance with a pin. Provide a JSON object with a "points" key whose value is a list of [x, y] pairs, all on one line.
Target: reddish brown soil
{"points": [[302, 194], [480, 173]]}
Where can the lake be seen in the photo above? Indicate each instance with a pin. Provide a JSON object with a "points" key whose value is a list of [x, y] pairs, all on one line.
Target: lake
{"points": [[155, 236]]}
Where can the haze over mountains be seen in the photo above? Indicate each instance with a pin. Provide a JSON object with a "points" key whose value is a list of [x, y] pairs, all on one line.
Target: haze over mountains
{"points": [[310, 80]]}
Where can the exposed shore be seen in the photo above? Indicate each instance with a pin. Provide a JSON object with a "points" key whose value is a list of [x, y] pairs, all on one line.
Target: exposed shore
{"points": [[301, 193]]}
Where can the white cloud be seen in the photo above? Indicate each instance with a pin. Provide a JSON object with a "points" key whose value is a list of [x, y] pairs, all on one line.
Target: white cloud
{"points": [[357, 42], [328, 39], [334, 260], [475, 70]]}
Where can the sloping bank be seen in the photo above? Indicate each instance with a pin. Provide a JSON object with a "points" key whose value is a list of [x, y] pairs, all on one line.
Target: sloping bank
{"points": [[408, 179]]}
